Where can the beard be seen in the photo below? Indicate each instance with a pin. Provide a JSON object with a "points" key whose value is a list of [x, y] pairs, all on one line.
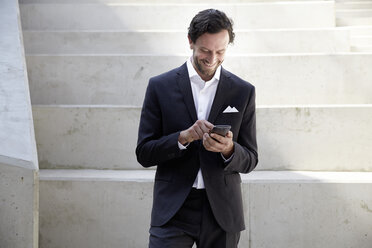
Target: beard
{"points": [[207, 72]]}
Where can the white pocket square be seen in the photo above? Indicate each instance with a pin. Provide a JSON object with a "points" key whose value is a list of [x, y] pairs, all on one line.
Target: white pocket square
{"points": [[230, 110]]}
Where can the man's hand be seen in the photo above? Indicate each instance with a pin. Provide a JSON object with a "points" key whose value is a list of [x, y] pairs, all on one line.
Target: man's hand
{"points": [[195, 132], [216, 143]]}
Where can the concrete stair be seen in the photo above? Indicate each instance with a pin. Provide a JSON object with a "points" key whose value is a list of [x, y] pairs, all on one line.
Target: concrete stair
{"points": [[361, 39], [122, 16], [313, 138], [341, 78], [162, 1], [354, 18], [357, 16], [19, 179], [89, 63], [327, 40], [288, 209]]}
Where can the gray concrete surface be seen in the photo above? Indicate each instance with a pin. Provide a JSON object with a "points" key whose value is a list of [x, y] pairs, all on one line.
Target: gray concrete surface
{"points": [[279, 79], [19, 207], [18, 157], [326, 212], [288, 209], [158, 1], [97, 137], [328, 40], [314, 138], [177, 16], [111, 208], [17, 140]]}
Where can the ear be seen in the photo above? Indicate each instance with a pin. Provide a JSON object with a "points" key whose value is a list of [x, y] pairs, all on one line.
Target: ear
{"points": [[190, 42]]}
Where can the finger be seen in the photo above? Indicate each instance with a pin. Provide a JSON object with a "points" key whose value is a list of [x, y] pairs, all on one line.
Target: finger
{"points": [[208, 124], [208, 142], [206, 129], [222, 144], [205, 125], [193, 135], [212, 144], [199, 132], [217, 137], [229, 135], [225, 140]]}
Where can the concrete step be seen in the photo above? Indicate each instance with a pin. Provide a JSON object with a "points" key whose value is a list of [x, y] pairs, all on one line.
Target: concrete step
{"points": [[353, 5], [158, 42], [361, 49], [362, 40], [357, 13], [340, 1], [354, 21], [360, 30], [161, 1], [173, 16], [83, 208], [354, 17], [86, 137], [316, 138], [279, 79], [329, 138]]}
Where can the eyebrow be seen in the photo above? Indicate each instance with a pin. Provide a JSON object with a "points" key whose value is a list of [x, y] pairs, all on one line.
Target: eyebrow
{"points": [[217, 51]]}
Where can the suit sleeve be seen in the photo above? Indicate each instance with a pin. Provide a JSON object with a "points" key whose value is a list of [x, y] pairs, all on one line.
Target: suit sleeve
{"points": [[245, 156], [153, 147]]}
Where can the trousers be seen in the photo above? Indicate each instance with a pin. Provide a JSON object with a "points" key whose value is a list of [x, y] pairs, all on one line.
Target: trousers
{"points": [[194, 223]]}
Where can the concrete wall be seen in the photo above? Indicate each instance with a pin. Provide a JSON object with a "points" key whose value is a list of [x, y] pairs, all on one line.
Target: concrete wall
{"points": [[325, 40], [280, 79], [288, 209], [311, 137], [125, 16], [19, 194], [18, 156]]}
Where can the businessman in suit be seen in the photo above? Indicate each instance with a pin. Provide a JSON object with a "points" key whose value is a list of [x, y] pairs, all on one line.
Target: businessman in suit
{"points": [[197, 190]]}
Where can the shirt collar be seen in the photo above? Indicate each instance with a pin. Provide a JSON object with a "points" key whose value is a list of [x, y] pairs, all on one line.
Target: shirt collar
{"points": [[193, 73]]}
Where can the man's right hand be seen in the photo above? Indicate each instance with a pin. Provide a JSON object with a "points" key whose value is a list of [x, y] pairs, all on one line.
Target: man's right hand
{"points": [[195, 132]]}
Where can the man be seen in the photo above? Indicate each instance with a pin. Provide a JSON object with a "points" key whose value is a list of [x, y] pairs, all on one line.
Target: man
{"points": [[197, 191]]}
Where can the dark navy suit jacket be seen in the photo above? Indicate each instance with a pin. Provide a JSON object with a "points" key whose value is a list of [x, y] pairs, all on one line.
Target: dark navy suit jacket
{"points": [[168, 109]]}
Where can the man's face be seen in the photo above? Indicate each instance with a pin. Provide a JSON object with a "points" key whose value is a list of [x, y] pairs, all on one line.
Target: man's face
{"points": [[209, 52]]}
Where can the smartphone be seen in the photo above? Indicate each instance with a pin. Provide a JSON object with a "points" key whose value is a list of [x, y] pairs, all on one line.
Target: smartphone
{"points": [[221, 129]]}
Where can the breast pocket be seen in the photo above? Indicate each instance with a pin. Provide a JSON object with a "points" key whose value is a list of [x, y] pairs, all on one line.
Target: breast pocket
{"points": [[232, 119]]}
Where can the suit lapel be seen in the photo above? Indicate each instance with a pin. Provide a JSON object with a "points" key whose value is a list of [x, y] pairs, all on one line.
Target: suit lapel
{"points": [[222, 92], [183, 81]]}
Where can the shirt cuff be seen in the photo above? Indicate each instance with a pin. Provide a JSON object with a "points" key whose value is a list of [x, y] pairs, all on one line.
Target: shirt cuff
{"points": [[183, 147], [226, 160]]}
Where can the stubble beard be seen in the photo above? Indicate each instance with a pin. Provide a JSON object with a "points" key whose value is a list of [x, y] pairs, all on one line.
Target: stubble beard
{"points": [[208, 73]]}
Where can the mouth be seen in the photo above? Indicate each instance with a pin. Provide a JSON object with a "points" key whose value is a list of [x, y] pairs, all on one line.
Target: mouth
{"points": [[209, 65]]}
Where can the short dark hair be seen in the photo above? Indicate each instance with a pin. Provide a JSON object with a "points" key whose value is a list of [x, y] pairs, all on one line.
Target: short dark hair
{"points": [[210, 21]]}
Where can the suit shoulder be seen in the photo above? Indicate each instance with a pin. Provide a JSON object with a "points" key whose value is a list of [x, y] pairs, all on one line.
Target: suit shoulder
{"points": [[166, 76], [239, 81]]}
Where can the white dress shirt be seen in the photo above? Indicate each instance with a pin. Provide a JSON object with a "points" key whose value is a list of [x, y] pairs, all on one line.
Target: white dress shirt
{"points": [[203, 94]]}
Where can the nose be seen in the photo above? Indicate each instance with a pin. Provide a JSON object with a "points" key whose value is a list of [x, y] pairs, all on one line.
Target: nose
{"points": [[212, 58]]}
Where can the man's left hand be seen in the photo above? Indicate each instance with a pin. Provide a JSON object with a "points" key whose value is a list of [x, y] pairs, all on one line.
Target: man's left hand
{"points": [[216, 143]]}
